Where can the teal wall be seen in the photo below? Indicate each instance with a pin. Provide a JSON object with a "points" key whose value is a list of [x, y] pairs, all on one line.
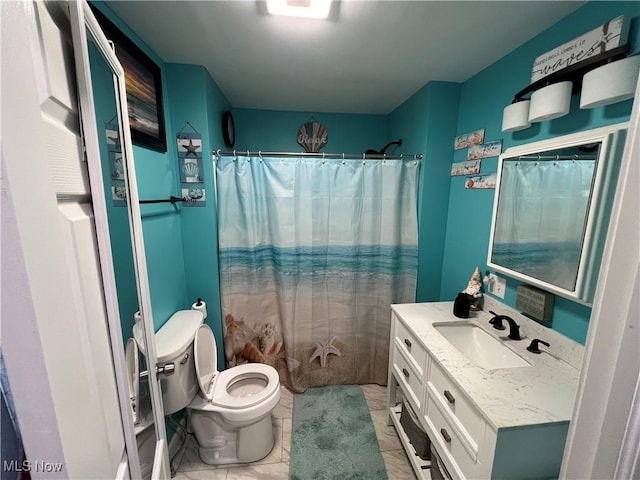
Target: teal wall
{"points": [[272, 130], [427, 124], [195, 98], [482, 99], [118, 217], [157, 177]]}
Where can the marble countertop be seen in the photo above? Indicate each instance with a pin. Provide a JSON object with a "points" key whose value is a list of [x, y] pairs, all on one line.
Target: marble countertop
{"points": [[543, 392]]}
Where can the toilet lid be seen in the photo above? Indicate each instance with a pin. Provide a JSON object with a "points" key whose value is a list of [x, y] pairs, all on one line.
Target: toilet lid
{"points": [[133, 375], [206, 359]]}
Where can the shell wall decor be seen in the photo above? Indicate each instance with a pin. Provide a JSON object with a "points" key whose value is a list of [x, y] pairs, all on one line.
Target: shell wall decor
{"points": [[312, 136]]}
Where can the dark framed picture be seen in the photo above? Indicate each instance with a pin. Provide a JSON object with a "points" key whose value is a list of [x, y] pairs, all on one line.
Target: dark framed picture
{"points": [[144, 88]]}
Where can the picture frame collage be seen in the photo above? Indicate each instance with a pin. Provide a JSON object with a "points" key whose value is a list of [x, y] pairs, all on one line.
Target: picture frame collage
{"points": [[477, 149]]}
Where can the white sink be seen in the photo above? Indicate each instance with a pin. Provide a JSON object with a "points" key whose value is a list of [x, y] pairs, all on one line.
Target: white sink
{"points": [[480, 347]]}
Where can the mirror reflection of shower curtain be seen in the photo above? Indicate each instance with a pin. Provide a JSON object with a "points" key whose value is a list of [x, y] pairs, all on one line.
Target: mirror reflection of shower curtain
{"points": [[542, 216], [312, 253]]}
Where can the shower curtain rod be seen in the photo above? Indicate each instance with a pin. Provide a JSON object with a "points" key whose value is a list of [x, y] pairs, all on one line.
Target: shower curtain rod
{"points": [[344, 156], [557, 157]]}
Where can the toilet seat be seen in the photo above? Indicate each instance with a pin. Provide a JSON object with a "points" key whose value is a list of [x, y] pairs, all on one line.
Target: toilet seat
{"points": [[215, 385], [258, 372]]}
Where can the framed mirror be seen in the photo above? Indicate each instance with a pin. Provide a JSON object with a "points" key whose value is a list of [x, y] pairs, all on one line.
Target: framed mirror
{"points": [[551, 210], [107, 137]]}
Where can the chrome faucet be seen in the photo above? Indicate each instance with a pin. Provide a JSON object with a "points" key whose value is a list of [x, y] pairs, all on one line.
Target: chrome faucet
{"points": [[514, 328]]}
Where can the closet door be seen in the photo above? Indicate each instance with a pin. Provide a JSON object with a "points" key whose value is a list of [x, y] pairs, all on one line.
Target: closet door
{"points": [[55, 338]]}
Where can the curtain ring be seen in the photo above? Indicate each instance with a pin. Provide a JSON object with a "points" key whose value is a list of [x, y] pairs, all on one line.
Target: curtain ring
{"points": [[234, 156]]}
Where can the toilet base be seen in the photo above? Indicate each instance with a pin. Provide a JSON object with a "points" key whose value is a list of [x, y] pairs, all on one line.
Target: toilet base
{"points": [[243, 445]]}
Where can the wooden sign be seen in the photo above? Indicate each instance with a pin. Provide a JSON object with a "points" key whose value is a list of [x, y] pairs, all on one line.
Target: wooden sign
{"points": [[598, 40]]}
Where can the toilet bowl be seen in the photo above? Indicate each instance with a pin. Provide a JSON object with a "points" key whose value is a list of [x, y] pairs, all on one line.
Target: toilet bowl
{"points": [[231, 413]]}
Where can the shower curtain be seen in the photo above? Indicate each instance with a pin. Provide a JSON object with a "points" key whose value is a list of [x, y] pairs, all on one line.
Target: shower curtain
{"points": [[312, 253]]}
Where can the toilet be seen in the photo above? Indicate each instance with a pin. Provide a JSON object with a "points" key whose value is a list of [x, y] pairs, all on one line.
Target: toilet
{"points": [[229, 411], [231, 414]]}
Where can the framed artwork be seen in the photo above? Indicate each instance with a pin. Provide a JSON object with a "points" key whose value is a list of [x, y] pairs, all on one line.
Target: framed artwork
{"points": [[144, 88]]}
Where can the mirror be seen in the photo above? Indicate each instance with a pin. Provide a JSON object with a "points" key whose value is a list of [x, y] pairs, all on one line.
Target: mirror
{"points": [[551, 210], [113, 167], [105, 125]]}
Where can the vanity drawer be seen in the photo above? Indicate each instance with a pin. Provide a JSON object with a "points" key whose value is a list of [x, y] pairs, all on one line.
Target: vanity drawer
{"points": [[447, 438], [457, 405], [411, 347], [410, 381]]}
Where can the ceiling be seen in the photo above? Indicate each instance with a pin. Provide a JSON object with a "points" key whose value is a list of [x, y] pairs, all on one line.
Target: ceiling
{"points": [[368, 57]]}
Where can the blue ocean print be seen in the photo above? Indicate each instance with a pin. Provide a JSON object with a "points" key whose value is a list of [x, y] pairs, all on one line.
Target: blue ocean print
{"points": [[303, 260], [552, 262]]}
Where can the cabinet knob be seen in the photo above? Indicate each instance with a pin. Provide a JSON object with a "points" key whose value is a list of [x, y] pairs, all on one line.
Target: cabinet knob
{"points": [[449, 396], [405, 372], [407, 342], [445, 435]]}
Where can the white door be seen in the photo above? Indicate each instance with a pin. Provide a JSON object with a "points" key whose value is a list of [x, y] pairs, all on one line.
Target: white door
{"points": [[68, 389], [55, 339]]}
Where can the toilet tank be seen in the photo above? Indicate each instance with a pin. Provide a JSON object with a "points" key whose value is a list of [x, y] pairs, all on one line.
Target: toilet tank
{"points": [[174, 344]]}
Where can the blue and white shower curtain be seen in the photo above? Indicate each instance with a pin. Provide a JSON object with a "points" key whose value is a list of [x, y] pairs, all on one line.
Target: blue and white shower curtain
{"points": [[312, 253]]}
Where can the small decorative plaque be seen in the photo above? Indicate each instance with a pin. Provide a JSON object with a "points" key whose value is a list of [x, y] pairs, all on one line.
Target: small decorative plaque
{"points": [[535, 303]]}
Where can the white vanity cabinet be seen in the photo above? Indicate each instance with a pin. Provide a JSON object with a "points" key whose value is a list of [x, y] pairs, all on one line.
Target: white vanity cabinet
{"points": [[503, 423]]}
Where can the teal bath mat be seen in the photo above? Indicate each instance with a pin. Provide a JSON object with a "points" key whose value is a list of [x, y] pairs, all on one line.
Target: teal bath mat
{"points": [[333, 437]]}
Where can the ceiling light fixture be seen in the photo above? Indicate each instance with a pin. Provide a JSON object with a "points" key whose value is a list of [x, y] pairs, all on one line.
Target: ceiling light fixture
{"points": [[300, 8]]}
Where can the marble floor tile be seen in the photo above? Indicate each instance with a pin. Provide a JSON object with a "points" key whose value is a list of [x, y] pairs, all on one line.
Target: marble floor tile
{"points": [[375, 395], [284, 409], [217, 474], [387, 435], [274, 471], [287, 425], [398, 466]]}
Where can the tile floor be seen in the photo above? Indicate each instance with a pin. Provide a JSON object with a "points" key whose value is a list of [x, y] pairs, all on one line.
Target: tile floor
{"points": [[275, 466]]}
